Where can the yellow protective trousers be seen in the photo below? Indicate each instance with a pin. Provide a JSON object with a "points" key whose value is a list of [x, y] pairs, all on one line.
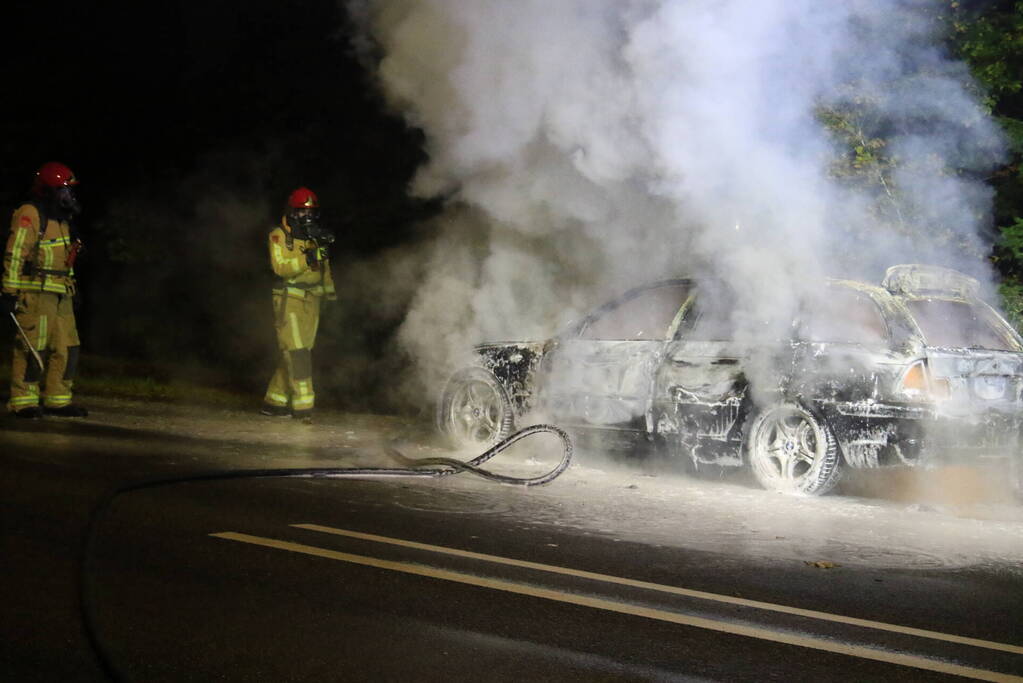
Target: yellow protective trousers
{"points": [[48, 320], [296, 319]]}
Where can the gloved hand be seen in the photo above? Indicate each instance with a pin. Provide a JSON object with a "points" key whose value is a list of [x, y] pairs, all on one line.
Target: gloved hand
{"points": [[314, 256], [9, 303]]}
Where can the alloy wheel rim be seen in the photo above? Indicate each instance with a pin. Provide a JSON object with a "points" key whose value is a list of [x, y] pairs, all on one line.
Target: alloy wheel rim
{"points": [[789, 444], [475, 412]]}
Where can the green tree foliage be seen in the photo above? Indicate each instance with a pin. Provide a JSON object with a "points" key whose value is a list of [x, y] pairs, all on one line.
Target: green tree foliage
{"points": [[989, 36], [864, 163]]}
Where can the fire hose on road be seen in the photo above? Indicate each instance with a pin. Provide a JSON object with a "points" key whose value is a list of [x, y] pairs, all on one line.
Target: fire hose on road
{"points": [[414, 467]]}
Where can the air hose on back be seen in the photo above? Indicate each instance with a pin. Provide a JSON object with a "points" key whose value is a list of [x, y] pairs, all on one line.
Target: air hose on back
{"points": [[414, 467]]}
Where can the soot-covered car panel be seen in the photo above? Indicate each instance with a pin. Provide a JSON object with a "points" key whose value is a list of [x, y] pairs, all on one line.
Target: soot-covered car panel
{"points": [[916, 370]]}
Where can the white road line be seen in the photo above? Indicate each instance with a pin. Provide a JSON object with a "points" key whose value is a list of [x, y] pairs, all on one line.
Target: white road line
{"points": [[687, 592], [633, 610]]}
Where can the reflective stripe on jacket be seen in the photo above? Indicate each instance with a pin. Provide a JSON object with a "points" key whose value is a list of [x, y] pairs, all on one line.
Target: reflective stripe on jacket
{"points": [[297, 277], [37, 264]]}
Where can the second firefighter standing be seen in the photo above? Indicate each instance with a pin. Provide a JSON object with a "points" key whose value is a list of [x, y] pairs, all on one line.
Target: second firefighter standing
{"points": [[298, 255]]}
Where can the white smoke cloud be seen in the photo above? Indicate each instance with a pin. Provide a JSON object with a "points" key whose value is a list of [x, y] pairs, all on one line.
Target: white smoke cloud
{"points": [[591, 145]]}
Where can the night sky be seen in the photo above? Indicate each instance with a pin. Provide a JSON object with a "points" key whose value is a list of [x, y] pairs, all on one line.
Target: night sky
{"points": [[165, 109], [136, 94]]}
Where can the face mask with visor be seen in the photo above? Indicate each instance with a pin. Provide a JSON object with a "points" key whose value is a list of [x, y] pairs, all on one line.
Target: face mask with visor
{"points": [[305, 225]]}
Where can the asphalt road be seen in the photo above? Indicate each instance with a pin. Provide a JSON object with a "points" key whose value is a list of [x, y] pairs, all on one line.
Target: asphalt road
{"points": [[604, 574]]}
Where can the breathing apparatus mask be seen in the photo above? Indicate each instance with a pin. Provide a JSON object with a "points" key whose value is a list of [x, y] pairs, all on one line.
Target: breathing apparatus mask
{"points": [[305, 225], [65, 201]]}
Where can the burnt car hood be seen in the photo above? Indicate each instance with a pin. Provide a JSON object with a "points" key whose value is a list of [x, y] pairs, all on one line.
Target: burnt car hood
{"points": [[510, 352]]}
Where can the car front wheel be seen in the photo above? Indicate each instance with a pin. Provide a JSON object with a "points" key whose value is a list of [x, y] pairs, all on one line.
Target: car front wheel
{"points": [[790, 449], [475, 411]]}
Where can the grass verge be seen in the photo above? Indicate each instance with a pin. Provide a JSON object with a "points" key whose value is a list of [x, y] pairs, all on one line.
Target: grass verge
{"points": [[143, 381]]}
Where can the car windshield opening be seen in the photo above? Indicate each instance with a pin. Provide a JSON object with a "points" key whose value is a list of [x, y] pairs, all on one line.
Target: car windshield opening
{"points": [[960, 324]]}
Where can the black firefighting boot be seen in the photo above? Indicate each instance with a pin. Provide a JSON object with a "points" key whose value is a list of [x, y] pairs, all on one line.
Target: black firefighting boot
{"points": [[31, 412], [275, 411], [67, 411], [306, 416]]}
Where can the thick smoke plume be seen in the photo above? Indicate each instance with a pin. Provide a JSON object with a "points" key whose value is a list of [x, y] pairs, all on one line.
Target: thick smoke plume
{"points": [[591, 145]]}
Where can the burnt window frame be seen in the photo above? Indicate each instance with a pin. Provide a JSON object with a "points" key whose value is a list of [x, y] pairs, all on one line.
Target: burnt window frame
{"points": [[688, 324], [579, 330], [886, 340], [1008, 334], [690, 318]]}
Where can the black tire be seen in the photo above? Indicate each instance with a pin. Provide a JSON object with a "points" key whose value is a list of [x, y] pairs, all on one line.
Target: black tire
{"points": [[791, 449], [475, 411]]}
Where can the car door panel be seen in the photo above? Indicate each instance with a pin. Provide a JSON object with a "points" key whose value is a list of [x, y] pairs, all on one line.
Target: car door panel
{"points": [[699, 388], [601, 383], [601, 375]]}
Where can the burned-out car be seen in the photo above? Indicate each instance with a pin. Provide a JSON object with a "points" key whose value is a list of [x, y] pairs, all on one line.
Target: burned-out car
{"points": [[915, 372]]}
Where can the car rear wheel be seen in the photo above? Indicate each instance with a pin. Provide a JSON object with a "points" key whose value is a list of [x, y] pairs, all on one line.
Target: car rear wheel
{"points": [[790, 449], [475, 411]]}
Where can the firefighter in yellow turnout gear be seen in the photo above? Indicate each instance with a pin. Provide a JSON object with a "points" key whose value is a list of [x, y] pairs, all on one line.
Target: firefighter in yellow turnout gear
{"points": [[298, 256], [38, 286]]}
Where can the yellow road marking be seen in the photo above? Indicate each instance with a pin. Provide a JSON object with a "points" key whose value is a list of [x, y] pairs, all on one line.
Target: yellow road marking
{"points": [[687, 592], [625, 608]]}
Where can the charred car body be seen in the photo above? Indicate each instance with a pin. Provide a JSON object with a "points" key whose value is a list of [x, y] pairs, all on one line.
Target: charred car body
{"points": [[914, 372]]}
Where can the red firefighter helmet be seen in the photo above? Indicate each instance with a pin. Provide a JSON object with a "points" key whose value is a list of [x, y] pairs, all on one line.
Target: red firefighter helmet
{"points": [[303, 198], [54, 174]]}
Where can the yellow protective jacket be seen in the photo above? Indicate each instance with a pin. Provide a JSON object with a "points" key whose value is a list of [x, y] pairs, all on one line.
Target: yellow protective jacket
{"points": [[36, 260], [288, 259]]}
